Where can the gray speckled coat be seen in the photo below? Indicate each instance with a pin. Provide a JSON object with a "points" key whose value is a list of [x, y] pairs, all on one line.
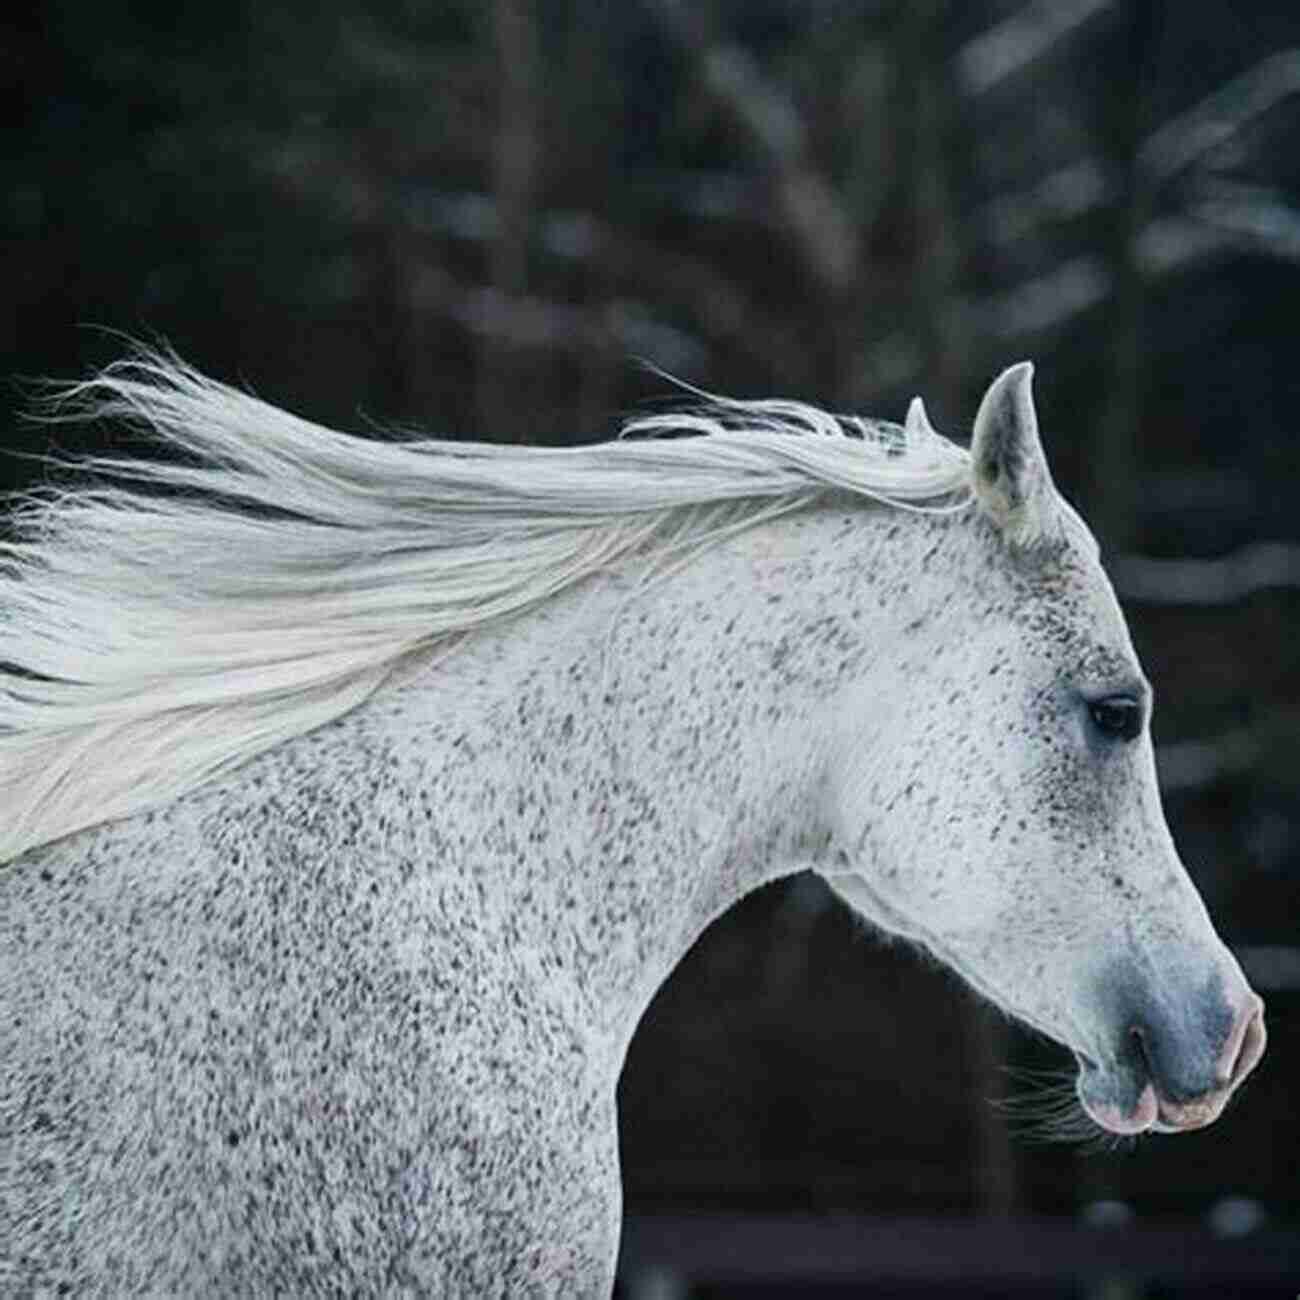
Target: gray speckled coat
{"points": [[351, 1021]]}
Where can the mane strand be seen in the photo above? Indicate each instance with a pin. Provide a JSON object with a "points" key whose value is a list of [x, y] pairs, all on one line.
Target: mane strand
{"points": [[166, 619]]}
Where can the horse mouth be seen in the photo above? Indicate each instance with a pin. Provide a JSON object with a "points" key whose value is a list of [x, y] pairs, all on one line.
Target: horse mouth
{"points": [[1151, 1113], [1127, 1099]]}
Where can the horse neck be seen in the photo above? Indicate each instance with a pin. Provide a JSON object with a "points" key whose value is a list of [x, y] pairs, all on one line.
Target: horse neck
{"points": [[650, 750]]}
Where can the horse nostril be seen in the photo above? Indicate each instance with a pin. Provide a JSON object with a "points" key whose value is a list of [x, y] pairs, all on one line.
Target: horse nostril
{"points": [[1138, 1035]]}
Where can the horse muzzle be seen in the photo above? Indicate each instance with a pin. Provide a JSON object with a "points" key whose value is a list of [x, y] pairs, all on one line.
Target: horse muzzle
{"points": [[1175, 1067]]}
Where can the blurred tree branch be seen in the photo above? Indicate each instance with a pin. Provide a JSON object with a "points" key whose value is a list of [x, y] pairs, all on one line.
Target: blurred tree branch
{"points": [[812, 213], [1192, 137], [1225, 581], [1253, 216], [1016, 44], [515, 167], [1187, 766]]}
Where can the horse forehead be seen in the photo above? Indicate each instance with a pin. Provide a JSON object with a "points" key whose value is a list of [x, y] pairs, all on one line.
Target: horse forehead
{"points": [[1066, 608]]}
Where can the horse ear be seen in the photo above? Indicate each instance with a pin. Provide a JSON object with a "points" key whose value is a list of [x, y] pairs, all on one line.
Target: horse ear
{"points": [[1012, 481], [918, 422]]}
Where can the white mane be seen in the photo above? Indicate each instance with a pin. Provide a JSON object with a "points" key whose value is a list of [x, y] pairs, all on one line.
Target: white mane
{"points": [[273, 573]]}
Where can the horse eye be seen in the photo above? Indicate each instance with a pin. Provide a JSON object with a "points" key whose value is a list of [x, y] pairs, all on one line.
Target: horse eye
{"points": [[1118, 717]]}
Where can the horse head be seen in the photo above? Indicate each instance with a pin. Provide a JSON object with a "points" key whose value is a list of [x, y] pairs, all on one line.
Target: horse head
{"points": [[1001, 807]]}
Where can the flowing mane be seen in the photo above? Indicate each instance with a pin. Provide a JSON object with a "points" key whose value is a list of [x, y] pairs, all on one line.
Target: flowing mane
{"points": [[166, 620]]}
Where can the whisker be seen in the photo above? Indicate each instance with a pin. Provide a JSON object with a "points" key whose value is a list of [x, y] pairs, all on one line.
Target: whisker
{"points": [[1048, 1111]]}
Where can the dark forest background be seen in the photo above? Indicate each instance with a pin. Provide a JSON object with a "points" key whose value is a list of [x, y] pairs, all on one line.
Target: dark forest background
{"points": [[477, 216]]}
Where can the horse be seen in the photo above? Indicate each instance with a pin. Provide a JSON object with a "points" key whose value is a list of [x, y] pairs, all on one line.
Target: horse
{"points": [[359, 793]]}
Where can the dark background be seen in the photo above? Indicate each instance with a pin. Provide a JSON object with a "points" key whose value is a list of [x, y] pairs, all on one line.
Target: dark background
{"points": [[473, 216]]}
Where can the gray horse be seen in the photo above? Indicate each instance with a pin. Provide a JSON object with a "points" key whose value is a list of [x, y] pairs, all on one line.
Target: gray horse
{"points": [[358, 796]]}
